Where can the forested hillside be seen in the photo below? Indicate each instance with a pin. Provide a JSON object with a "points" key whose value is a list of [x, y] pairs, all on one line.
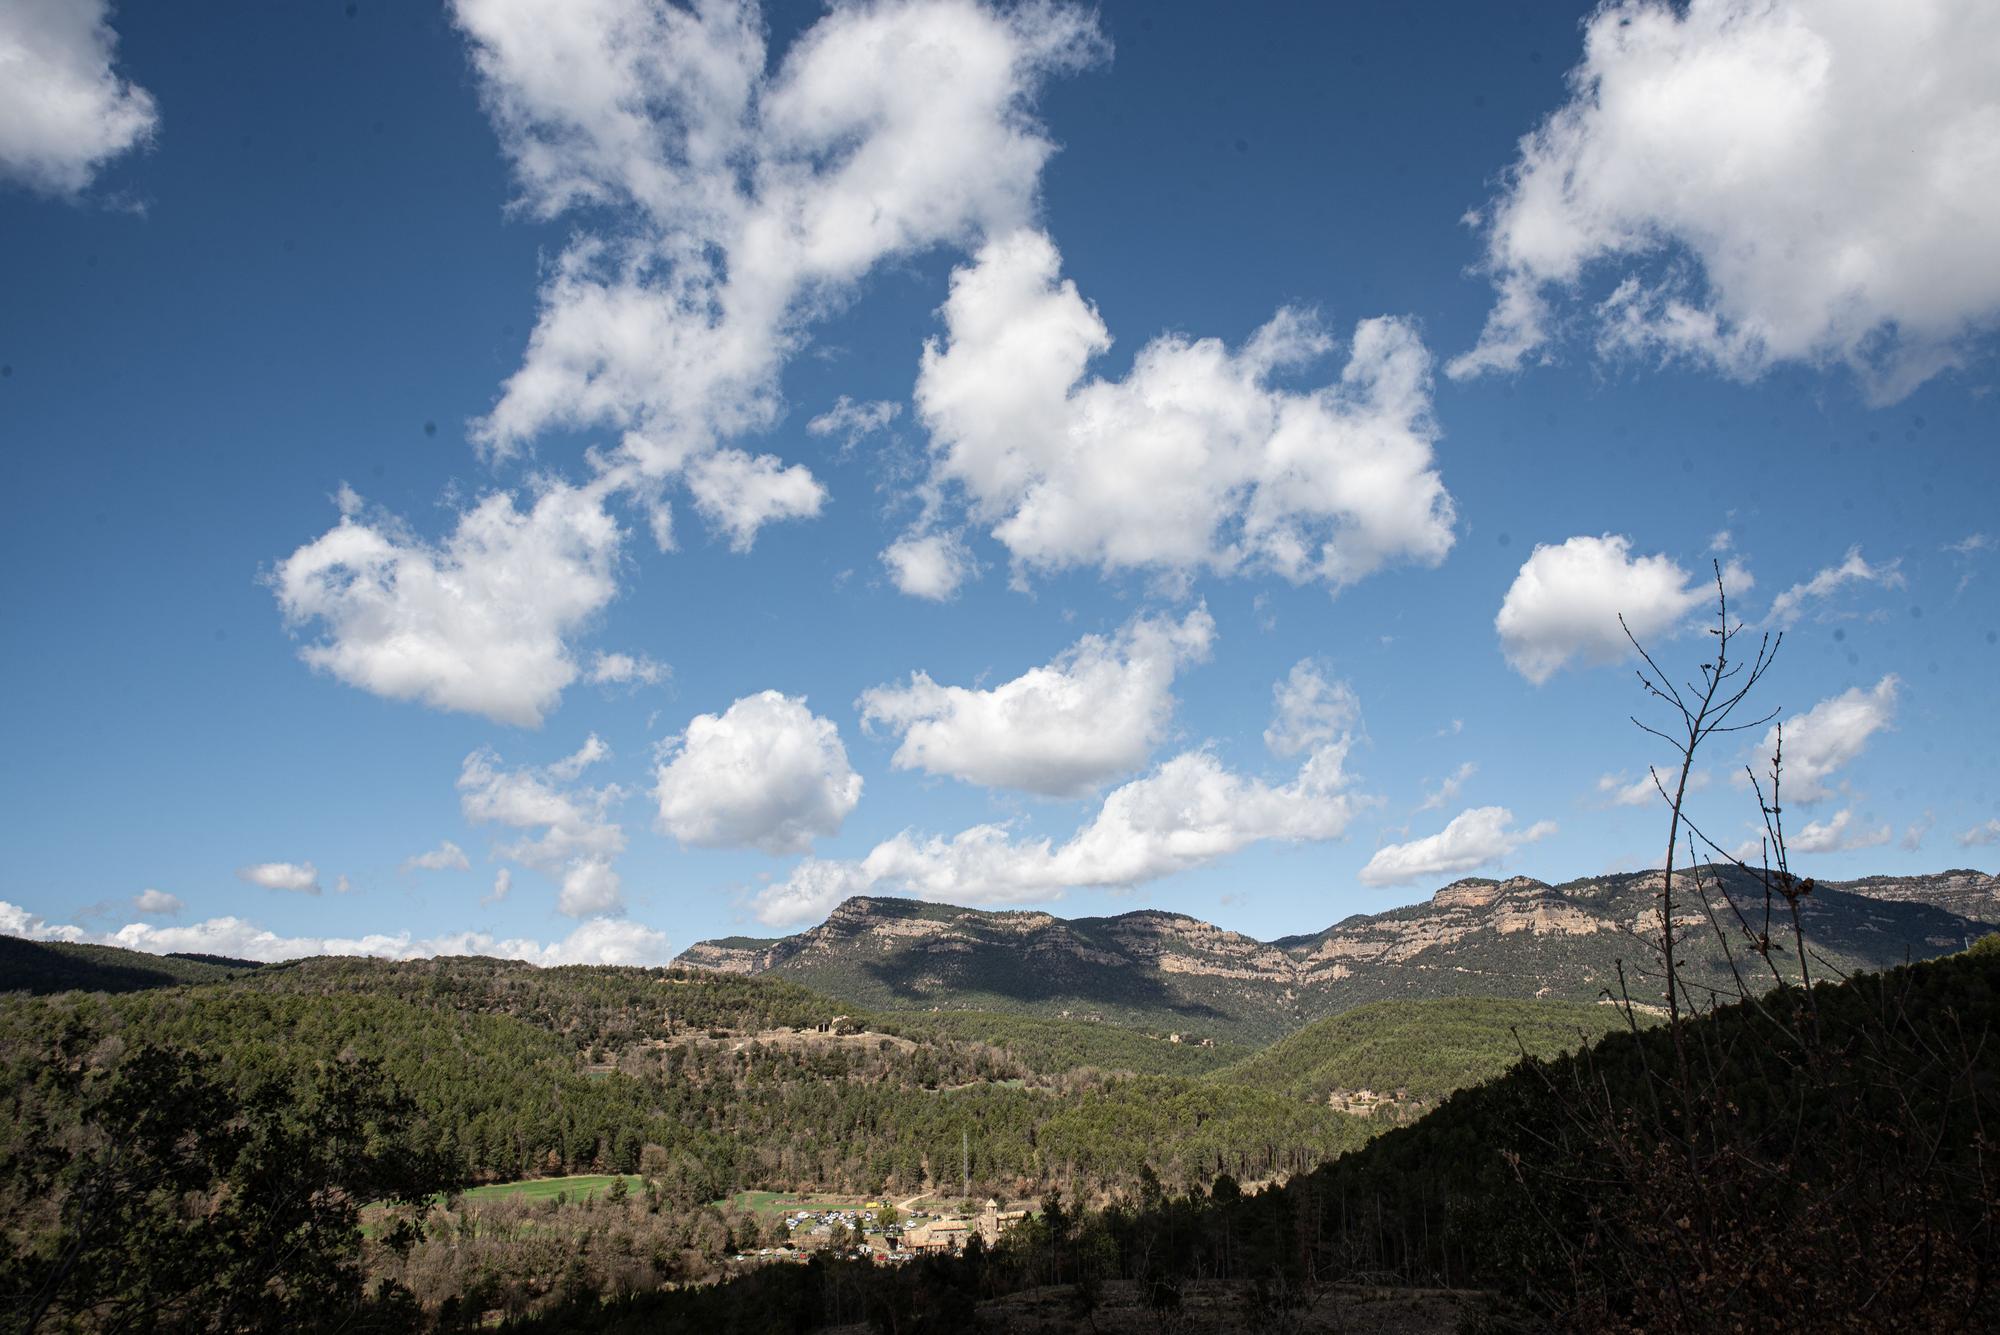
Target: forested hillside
{"points": [[730, 1082], [1408, 1055], [61, 966], [1845, 1183]]}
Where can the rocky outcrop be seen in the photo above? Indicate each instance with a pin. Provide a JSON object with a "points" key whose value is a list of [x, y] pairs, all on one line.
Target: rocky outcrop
{"points": [[725, 958], [1968, 893]]}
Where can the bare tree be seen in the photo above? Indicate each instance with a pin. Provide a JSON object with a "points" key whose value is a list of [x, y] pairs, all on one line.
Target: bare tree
{"points": [[1788, 1166]]}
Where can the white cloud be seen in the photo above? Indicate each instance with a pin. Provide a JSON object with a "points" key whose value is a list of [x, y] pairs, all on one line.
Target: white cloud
{"points": [[1327, 484], [1565, 603], [302, 877], [1475, 838], [17, 921], [598, 941], [1772, 181], [593, 750], [853, 422], [1063, 729], [929, 564], [447, 856], [1188, 811], [479, 623], [1622, 790], [1982, 835], [1785, 608], [578, 841], [157, 903], [1827, 737], [1640, 790], [627, 670], [64, 112], [726, 208], [1970, 544], [740, 493], [503, 885], [1915, 832], [1309, 710], [1837, 834], [1447, 792], [590, 887], [767, 773]]}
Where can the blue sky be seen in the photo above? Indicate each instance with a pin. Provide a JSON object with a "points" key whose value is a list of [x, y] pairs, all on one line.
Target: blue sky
{"points": [[1306, 392]]}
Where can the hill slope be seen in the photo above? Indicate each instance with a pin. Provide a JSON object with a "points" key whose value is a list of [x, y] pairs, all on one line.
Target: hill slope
{"points": [[65, 966], [1475, 937], [1398, 1058]]}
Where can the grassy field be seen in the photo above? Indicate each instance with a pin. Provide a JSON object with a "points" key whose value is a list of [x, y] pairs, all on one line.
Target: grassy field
{"points": [[784, 1202], [544, 1188]]}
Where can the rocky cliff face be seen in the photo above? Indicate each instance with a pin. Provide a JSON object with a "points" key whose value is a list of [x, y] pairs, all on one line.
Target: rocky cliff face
{"points": [[1474, 937], [1968, 893]]}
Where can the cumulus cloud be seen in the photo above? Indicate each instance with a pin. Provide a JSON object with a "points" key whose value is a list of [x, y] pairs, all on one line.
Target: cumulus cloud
{"points": [[1787, 606], [1309, 710], [64, 112], [626, 670], [17, 921], [1564, 605], [1837, 834], [1982, 835], [1188, 811], [447, 856], [156, 903], [1763, 181], [577, 841], [503, 884], [478, 623], [740, 493], [929, 564], [1062, 729], [766, 773], [1240, 474], [725, 207], [590, 887], [301, 877], [598, 941], [1640, 790], [852, 422], [1475, 838], [1827, 737]]}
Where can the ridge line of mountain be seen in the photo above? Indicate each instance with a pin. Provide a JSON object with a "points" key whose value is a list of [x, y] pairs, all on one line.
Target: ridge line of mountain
{"points": [[1477, 936], [1457, 892]]}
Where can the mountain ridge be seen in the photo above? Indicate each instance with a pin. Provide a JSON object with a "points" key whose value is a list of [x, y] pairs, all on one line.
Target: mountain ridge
{"points": [[1477, 936]]}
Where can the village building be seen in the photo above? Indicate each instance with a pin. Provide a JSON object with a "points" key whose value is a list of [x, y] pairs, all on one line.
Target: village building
{"points": [[994, 1221], [940, 1237]]}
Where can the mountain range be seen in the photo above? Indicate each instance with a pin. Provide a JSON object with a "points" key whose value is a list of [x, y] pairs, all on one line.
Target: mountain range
{"points": [[1475, 937]]}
